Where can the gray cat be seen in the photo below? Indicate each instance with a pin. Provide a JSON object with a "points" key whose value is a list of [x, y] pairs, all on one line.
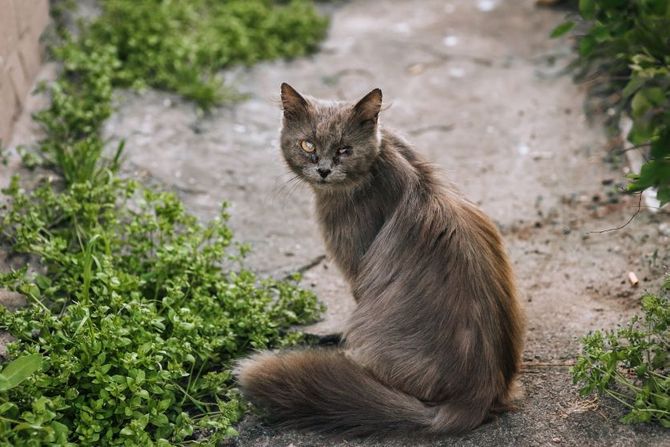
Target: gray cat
{"points": [[436, 340]]}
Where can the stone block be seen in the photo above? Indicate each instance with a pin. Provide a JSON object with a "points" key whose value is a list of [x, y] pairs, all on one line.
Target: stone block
{"points": [[40, 18], [9, 32], [8, 109], [32, 16], [25, 11], [19, 81], [30, 54]]}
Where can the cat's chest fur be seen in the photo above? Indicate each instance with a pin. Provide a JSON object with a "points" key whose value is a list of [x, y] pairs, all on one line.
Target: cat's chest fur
{"points": [[351, 220]]}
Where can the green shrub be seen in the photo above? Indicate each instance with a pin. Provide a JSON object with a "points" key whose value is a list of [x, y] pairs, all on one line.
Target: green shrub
{"points": [[80, 103], [179, 45], [632, 363], [626, 47], [624, 53], [136, 319], [137, 310]]}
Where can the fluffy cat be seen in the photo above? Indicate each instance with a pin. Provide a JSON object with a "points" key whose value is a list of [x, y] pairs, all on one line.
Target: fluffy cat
{"points": [[435, 342]]}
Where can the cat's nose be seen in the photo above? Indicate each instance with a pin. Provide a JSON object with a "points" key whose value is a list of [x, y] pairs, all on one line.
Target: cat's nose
{"points": [[323, 172]]}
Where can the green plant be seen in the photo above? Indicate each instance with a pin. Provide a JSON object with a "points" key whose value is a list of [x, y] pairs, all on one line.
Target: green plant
{"points": [[632, 363], [136, 309], [80, 103], [179, 45], [624, 50], [136, 319]]}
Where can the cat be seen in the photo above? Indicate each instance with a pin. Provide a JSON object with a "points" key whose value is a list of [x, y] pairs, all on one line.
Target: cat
{"points": [[435, 342]]}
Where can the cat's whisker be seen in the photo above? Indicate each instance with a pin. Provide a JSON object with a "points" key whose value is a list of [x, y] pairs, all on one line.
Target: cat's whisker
{"points": [[292, 189], [287, 188]]}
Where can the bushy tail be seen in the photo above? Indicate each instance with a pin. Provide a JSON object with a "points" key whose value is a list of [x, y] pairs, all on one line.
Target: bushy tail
{"points": [[324, 391]]}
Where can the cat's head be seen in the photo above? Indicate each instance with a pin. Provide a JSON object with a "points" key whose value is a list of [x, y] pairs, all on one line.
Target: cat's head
{"points": [[330, 144]]}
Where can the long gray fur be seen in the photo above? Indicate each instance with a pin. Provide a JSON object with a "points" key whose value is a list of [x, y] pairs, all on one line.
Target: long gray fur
{"points": [[436, 340]]}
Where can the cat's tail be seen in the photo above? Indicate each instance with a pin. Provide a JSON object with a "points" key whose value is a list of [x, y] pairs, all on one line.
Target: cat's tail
{"points": [[324, 391]]}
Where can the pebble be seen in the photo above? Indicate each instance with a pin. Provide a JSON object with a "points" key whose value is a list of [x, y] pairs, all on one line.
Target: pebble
{"points": [[12, 300], [416, 69], [402, 28], [450, 41], [487, 5], [456, 72], [523, 149]]}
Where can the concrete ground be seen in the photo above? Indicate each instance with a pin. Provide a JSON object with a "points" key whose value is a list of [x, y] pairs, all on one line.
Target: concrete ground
{"points": [[477, 87]]}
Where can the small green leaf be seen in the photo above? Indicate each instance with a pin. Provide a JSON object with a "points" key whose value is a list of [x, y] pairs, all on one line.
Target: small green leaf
{"points": [[160, 420], [587, 8], [663, 194], [600, 33], [655, 95], [562, 29], [5, 407], [19, 370], [586, 45], [633, 86], [640, 104], [640, 133], [42, 281], [660, 147]]}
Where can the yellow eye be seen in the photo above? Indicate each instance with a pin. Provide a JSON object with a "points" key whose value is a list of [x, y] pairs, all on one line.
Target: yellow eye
{"points": [[307, 146]]}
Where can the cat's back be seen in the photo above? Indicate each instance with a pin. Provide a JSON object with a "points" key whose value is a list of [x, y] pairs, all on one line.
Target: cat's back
{"points": [[439, 260], [434, 224]]}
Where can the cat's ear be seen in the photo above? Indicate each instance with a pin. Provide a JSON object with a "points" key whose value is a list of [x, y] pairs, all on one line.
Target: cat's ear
{"points": [[366, 111], [293, 104]]}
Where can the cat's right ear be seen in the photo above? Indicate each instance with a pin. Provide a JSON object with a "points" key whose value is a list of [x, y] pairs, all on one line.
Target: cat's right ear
{"points": [[366, 111], [293, 104]]}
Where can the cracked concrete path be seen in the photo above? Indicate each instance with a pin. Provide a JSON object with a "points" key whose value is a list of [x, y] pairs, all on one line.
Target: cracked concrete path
{"points": [[477, 87]]}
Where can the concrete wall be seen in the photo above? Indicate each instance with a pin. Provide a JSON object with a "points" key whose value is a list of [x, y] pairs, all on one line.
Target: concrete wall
{"points": [[21, 25]]}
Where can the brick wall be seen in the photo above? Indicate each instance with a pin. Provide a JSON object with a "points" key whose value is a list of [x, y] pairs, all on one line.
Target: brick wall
{"points": [[21, 25]]}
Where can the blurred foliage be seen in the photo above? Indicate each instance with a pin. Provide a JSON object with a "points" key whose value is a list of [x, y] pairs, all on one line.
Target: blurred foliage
{"points": [[632, 364], [180, 45], [624, 57], [624, 49], [137, 311]]}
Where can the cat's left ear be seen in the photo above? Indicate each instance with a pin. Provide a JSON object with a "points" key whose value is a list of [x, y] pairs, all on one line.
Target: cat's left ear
{"points": [[293, 104], [367, 109]]}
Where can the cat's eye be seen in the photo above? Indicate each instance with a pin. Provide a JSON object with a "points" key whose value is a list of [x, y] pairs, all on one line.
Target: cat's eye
{"points": [[344, 150], [307, 146]]}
